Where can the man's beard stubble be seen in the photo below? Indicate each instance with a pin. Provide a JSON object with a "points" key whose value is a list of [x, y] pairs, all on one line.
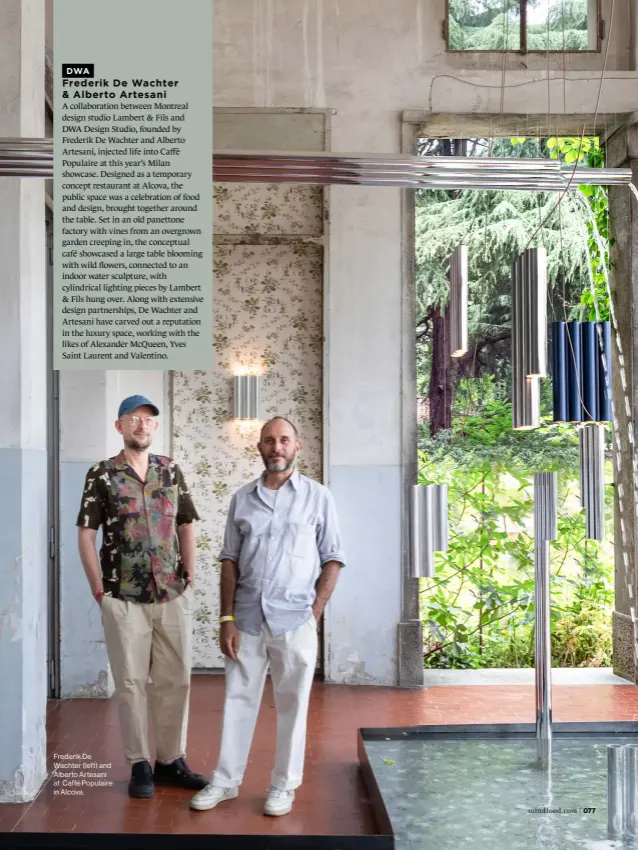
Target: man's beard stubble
{"points": [[138, 443], [273, 464]]}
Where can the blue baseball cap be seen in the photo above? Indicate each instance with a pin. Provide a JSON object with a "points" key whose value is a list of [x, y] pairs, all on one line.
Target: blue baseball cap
{"points": [[133, 402]]}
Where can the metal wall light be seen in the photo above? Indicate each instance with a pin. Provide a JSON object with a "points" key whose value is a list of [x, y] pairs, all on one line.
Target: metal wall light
{"points": [[246, 396], [429, 527], [581, 371], [458, 277], [591, 444], [529, 336], [545, 530]]}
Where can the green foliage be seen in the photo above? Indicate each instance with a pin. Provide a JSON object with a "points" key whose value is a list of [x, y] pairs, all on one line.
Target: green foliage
{"points": [[496, 227], [588, 152], [478, 611]]}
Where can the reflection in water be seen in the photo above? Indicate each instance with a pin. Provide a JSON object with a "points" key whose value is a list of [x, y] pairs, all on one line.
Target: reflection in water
{"points": [[481, 793]]}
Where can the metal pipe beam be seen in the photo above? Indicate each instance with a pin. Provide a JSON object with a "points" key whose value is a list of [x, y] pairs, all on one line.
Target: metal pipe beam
{"points": [[329, 169]]}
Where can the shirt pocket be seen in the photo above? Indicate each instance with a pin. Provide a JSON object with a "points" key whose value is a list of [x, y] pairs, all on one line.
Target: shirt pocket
{"points": [[300, 539]]}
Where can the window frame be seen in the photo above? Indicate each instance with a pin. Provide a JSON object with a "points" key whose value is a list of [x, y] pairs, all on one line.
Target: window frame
{"points": [[594, 6]]}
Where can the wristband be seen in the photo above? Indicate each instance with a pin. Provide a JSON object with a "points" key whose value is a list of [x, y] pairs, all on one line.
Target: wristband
{"points": [[227, 619]]}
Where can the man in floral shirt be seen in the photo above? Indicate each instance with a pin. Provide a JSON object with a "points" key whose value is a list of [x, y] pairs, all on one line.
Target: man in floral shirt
{"points": [[143, 585]]}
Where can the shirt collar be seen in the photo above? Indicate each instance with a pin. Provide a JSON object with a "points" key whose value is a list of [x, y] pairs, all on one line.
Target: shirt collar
{"points": [[294, 480], [122, 464]]}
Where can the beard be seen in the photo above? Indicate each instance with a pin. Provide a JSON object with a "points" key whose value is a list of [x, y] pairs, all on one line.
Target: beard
{"points": [[278, 464], [138, 443]]}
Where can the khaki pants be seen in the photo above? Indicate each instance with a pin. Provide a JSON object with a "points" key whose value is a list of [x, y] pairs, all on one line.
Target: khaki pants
{"points": [[153, 640], [292, 658]]}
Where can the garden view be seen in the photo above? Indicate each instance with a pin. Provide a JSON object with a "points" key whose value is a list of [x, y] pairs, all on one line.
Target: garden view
{"points": [[478, 610]]}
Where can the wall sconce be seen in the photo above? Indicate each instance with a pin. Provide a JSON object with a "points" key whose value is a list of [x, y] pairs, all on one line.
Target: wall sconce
{"points": [[246, 396]]}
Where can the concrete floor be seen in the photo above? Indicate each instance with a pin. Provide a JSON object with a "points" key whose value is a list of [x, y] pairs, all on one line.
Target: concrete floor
{"points": [[512, 676]]}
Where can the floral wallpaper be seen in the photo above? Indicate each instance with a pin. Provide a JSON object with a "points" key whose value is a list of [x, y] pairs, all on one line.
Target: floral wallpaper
{"points": [[267, 302], [267, 209]]}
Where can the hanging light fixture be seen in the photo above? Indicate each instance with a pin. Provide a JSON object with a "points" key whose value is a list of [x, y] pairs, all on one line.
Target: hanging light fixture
{"points": [[581, 371], [458, 278], [545, 530], [529, 336], [591, 444], [429, 527]]}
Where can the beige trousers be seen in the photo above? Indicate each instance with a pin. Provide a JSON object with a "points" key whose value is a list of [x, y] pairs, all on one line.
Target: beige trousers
{"points": [[153, 640]]}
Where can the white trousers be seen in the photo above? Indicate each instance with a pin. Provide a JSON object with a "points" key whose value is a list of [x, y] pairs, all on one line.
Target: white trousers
{"points": [[292, 657]]}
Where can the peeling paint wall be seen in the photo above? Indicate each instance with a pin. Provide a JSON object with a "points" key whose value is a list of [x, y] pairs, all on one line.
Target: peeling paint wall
{"points": [[23, 457]]}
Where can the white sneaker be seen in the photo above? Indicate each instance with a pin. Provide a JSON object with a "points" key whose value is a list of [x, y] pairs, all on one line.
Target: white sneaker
{"points": [[211, 795], [278, 802]]}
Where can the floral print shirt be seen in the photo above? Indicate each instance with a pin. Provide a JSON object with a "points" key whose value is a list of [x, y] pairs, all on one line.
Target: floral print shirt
{"points": [[140, 555]]}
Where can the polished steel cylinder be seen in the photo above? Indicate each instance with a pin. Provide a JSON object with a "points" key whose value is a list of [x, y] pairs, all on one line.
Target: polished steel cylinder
{"points": [[529, 336], [428, 527], [542, 651], [631, 796], [545, 529], [458, 276], [246, 397], [616, 788], [591, 444]]}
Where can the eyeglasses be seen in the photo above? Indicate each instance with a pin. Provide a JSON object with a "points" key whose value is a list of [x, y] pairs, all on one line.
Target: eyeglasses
{"points": [[136, 420]]}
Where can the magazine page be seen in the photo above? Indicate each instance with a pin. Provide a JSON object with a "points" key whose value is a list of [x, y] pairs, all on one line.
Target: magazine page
{"points": [[317, 430]]}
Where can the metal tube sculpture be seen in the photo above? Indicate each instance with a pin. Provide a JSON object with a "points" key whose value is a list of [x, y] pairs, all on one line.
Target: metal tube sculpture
{"points": [[581, 377], [529, 336], [545, 530], [429, 527], [581, 371], [458, 277], [591, 444], [616, 788]]}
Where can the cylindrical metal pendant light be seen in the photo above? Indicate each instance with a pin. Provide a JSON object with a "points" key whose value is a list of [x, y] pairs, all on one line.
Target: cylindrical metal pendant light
{"points": [[246, 397], [591, 443], [429, 527], [581, 362], [545, 529], [529, 336], [604, 373], [458, 277]]}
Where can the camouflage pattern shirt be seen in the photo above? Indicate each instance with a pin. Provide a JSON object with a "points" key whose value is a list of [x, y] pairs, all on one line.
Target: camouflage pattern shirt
{"points": [[140, 555]]}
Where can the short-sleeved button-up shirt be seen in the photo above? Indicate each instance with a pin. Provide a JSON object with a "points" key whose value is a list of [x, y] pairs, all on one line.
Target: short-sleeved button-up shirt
{"points": [[140, 554], [280, 539]]}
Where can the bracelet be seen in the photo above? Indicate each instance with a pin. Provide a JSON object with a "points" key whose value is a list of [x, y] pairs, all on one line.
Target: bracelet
{"points": [[227, 619]]}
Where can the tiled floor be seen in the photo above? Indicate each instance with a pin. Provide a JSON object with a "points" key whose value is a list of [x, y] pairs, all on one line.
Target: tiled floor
{"points": [[332, 800]]}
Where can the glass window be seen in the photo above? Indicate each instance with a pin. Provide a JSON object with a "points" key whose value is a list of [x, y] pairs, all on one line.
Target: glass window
{"points": [[523, 25]]}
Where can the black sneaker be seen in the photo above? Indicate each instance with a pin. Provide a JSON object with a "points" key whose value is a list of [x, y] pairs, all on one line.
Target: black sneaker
{"points": [[141, 784], [179, 773]]}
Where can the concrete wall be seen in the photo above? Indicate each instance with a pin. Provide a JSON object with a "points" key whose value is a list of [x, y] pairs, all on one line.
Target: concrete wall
{"points": [[88, 408], [23, 448]]}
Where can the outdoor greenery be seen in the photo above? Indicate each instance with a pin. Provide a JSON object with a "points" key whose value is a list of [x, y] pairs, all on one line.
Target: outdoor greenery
{"points": [[478, 611], [495, 25]]}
